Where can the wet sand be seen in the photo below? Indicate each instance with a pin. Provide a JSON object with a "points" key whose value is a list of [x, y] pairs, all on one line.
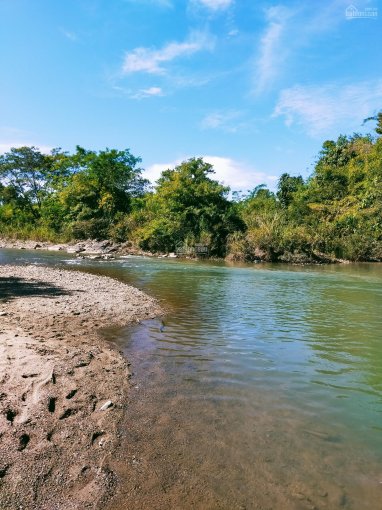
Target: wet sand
{"points": [[56, 372]]}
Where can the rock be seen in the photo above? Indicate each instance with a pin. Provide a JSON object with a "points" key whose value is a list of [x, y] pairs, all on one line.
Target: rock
{"points": [[172, 255], [97, 247], [56, 247], [77, 248], [106, 405], [114, 248]]}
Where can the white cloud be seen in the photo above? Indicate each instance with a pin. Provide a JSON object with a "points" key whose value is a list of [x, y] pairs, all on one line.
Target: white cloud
{"points": [[271, 52], [159, 3], [151, 61], [228, 121], [233, 32], [214, 5], [287, 31], [69, 35], [326, 109], [237, 175], [7, 146], [153, 172], [150, 92]]}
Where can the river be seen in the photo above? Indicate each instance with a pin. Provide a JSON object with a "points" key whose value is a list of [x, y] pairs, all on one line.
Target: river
{"points": [[260, 388]]}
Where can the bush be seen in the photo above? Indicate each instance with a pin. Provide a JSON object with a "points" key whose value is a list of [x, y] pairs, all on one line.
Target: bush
{"points": [[96, 228]]}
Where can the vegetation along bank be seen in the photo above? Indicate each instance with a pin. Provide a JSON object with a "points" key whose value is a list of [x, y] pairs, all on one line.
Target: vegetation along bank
{"points": [[334, 214]]}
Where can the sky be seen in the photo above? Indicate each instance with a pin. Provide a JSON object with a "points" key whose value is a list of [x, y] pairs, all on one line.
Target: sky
{"points": [[254, 87]]}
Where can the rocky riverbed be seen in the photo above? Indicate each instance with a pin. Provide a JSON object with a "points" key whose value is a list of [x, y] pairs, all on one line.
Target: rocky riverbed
{"points": [[62, 386], [92, 249]]}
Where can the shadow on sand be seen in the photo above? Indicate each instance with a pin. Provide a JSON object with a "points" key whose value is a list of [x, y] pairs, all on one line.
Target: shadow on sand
{"points": [[13, 287]]}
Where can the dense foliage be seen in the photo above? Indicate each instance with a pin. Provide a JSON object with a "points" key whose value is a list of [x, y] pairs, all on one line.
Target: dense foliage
{"points": [[336, 213]]}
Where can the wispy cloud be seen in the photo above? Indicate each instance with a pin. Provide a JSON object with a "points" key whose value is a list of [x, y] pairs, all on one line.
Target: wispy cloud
{"points": [[214, 5], [7, 146], [320, 109], [159, 3], [152, 61], [150, 92], [271, 51], [229, 121], [12, 137], [238, 175], [233, 32], [72, 36], [287, 30]]}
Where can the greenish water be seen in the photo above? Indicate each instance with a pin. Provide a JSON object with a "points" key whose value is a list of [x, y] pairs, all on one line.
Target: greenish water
{"points": [[263, 385]]}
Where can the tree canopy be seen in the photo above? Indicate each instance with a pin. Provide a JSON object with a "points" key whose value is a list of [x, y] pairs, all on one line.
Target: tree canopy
{"points": [[188, 207]]}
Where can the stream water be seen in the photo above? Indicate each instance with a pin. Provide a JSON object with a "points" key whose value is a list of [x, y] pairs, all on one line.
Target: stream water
{"points": [[261, 387]]}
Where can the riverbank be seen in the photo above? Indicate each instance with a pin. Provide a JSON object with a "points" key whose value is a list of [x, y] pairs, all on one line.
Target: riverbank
{"points": [[92, 249], [63, 388], [108, 250]]}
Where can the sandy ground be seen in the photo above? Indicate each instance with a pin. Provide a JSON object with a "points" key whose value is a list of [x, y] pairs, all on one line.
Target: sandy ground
{"points": [[56, 372]]}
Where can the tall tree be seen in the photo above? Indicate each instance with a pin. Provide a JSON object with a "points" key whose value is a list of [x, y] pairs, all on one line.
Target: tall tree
{"points": [[189, 206], [26, 172], [287, 186], [103, 184]]}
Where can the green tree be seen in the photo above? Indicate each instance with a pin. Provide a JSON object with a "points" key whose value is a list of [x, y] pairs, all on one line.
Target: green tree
{"points": [[26, 174], [378, 119], [189, 206], [102, 186], [287, 186]]}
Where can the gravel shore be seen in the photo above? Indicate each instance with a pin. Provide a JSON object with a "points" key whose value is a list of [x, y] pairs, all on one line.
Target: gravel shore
{"points": [[62, 387]]}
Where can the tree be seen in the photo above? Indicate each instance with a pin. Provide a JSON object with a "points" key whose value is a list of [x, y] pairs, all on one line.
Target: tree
{"points": [[102, 185], [25, 172], [287, 186], [189, 206], [378, 119]]}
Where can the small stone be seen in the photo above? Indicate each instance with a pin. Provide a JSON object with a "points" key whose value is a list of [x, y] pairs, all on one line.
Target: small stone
{"points": [[106, 405]]}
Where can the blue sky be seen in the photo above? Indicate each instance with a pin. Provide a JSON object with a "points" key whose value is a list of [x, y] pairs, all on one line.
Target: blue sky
{"points": [[255, 87]]}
